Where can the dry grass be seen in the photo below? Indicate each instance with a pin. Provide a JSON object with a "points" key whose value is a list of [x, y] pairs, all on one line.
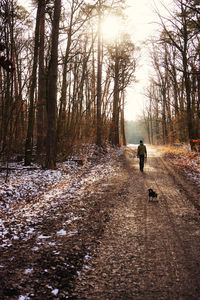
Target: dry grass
{"points": [[183, 157]]}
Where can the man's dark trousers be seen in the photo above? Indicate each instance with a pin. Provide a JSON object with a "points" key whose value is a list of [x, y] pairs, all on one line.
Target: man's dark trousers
{"points": [[141, 162]]}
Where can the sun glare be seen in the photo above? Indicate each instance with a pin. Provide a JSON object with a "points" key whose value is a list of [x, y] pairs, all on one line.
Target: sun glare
{"points": [[110, 28]]}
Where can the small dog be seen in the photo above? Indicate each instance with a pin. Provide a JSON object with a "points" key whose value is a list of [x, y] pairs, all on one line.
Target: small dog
{"points": [[152, 194]]}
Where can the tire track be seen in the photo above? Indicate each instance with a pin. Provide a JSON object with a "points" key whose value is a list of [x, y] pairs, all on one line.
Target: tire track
{"points": [[143, 253], [142, 180], [191, 195], [183, 255], [164, 244]]}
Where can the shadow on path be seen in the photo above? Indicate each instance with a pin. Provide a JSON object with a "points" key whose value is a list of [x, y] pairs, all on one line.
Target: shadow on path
{"points": [[149, 250]]}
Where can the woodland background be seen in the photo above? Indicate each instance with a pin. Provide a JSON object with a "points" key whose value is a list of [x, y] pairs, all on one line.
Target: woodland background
{"points": [[63, 85]]}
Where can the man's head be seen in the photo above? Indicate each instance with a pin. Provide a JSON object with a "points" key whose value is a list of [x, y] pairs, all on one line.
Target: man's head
{"points": [[141, 142]]}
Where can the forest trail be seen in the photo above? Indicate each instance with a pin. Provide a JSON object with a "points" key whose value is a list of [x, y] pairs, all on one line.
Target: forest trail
{"points": [[150, 250], [107, 241]]}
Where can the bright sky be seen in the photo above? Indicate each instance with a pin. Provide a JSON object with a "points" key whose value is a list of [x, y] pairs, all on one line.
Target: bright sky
{"points": [[142, 23]]}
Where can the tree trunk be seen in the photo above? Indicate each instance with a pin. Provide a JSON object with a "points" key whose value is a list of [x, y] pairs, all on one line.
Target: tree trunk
{"points": [[29, 136], [115, 119], [122, 121], [64, 77], [99, 78], [164, 124], [41, 104], [188, 96], [52, 91]]}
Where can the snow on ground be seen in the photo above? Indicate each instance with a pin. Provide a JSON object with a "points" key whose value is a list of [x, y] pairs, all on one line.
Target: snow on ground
{"points": [[32, 193]]}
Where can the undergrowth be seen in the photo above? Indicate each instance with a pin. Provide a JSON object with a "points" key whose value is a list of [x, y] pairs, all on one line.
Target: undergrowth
{"points": [[183, 157]]}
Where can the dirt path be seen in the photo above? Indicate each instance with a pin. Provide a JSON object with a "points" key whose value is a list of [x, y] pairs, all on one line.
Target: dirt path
{"points": [[107, 241], [149, 250]]}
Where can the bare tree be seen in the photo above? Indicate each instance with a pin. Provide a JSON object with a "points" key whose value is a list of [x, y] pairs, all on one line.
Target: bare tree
{"points": [[31, 113], [52, 90], [41, 103]]}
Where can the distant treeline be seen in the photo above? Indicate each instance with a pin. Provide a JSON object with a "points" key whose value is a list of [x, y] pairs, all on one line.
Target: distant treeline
{"points": [[135, 131]]}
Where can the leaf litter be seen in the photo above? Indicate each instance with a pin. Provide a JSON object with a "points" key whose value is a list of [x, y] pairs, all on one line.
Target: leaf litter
{"points": [[42, 213], [45, 216]]}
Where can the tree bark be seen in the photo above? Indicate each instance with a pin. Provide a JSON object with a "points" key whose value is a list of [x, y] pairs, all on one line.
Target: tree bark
{"points": [[52, 91], [41, 103], [99, 78], [61, 114], [29, 136], [115, 119], [122, 121]]}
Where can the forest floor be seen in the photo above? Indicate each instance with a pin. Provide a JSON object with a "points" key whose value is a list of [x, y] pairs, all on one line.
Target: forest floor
{"points": [[95, 235]]}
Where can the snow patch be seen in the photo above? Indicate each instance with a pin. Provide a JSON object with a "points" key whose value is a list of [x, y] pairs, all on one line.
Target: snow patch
{"points": [[61, 232], [28, 271], [71, 233], [55, 292], [40, 237], [24, 298]]}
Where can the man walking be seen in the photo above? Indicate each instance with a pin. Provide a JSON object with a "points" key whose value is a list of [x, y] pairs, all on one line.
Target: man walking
{"points": [[142, 154]]}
